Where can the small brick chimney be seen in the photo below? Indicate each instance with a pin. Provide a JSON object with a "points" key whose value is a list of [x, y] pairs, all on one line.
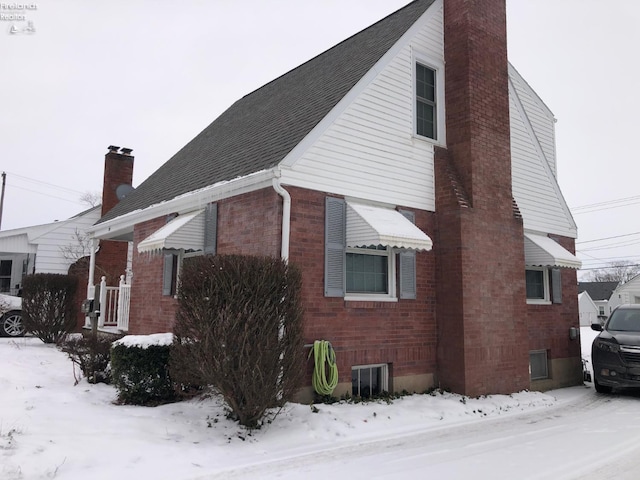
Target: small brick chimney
{"points": [[118, 170], [111, 259], [482, 330]]}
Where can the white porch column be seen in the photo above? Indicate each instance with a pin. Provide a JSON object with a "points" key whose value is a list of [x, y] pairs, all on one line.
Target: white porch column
{"points": [[91, 289]]}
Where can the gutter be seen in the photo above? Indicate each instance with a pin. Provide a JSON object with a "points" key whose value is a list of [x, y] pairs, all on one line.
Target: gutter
{"points": [[184, 203], [286, 215]]}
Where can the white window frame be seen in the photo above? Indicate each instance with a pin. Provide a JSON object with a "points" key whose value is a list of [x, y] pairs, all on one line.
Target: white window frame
{"points": [[384, 381], [391, 276], [547, 295], [438, 67]]}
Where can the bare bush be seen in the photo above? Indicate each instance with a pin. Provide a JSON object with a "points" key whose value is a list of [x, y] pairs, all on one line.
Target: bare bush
{"points": [[91, 354], [48, 308], [239, 329]]}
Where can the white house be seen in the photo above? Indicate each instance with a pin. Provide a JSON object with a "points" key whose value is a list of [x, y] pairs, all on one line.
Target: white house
{"points": [[588, 310], [626, 293], [48, 248]]}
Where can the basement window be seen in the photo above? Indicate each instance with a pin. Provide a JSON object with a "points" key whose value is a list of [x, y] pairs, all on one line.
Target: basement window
{"points": [[538, 365], [369, 380]]}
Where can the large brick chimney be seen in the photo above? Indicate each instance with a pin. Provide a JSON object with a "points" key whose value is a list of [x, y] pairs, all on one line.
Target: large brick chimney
{"points": [[482, 330], [111, 259]]}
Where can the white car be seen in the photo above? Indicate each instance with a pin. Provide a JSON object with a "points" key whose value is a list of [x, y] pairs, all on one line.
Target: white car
{"points": [[11, 324]]}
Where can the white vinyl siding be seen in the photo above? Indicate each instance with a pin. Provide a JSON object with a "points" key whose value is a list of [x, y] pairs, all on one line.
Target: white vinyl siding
{"points": [[369, 150], [49, 255], [540, 117], [535, 188]]}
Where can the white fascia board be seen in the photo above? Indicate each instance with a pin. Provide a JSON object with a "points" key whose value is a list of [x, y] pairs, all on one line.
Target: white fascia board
{"points": [[184, 203], [359, 87]]}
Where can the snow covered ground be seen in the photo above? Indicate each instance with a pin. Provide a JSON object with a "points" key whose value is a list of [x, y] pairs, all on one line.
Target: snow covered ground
{"points": [[50, 428]]}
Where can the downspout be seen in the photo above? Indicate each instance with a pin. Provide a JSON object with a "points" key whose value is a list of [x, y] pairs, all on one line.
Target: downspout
{"points": [[286, 216]]}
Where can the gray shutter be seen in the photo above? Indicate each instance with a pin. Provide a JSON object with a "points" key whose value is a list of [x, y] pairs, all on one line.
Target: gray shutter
{"points": [[556, 285], [335, 239], [407, 265], [210, 228], [167, 274]]}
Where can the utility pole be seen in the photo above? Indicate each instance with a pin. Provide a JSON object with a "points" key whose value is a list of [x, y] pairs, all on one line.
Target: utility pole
{"points": [[4, 182]]}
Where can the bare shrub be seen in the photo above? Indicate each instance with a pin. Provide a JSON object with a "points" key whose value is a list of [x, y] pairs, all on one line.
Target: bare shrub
{"points": [[48, 308], [91, 354], [239, 329]]}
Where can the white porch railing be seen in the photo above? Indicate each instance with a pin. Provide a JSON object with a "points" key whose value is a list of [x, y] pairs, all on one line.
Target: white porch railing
{"points": [[114, 305]]}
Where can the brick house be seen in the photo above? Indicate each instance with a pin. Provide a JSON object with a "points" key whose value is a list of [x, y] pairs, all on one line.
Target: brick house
{"points": [[410, 172]]}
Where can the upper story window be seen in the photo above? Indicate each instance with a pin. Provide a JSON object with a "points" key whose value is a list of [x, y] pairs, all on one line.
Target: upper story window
{"points": [[426, 111]]}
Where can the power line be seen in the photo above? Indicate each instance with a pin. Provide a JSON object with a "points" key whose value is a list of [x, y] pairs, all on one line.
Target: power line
{"points": [[608, 238], [77, 202], [41, 182], [605, 205]]}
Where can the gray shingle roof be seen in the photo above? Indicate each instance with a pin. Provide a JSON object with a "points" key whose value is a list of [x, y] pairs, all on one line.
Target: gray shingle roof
{"points": [[258, 130], [598, 290]]}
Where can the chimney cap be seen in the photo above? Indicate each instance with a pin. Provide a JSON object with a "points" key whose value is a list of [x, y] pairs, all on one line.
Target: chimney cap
{"points": [[126, 151], [113, 148]]}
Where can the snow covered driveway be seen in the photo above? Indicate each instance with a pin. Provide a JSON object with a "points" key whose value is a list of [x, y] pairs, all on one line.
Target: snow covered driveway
{"points": [[586, 436], [50, 428]]}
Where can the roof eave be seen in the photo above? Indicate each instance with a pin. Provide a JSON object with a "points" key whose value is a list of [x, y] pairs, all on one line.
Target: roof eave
{"points": [[119, 226]]}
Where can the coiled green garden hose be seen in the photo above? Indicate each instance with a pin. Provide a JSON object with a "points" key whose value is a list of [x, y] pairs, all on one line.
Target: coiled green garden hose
{"points": [[325, 359]]}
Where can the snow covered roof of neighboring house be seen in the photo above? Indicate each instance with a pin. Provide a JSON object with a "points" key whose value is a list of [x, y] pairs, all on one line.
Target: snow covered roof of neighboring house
{"points": [[260, 129]]}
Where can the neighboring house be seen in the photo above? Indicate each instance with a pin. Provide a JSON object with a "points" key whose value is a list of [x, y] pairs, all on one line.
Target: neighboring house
{"points": [[589, 311], [600, 293], [60, 246], [49, 248], [625, 293], [420, 202]]}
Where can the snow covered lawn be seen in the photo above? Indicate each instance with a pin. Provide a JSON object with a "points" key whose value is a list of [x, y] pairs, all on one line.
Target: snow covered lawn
{"points": [[50, 428]]}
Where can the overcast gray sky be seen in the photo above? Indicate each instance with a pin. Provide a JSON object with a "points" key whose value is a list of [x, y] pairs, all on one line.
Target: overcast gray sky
{"points": [[151, 74]]}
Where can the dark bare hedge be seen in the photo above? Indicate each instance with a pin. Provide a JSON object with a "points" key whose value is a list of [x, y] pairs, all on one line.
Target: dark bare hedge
{"points": [[239, 329], [92, 354], [48, 307]]}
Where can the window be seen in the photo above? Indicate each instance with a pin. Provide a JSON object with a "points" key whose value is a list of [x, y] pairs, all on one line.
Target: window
{"points": [[368, 270], [367, 273], [601, 310], [538, 366], [173, 256], [170, 274], [369, 380], [5, 276], [544, 285], [537, 288], [426, 111]]}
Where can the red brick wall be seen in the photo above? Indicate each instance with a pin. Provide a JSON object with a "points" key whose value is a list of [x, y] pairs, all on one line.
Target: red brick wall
{"points": [[248, 224], [402, 334], [150, 311], [549, 324]]}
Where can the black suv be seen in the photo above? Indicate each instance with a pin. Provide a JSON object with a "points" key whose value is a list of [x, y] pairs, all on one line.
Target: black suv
{"points": [[615, 352]]}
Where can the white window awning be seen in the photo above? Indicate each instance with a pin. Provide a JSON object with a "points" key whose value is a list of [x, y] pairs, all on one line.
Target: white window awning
{"points": [[370, 225], [541, 251], [183, 232]]}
